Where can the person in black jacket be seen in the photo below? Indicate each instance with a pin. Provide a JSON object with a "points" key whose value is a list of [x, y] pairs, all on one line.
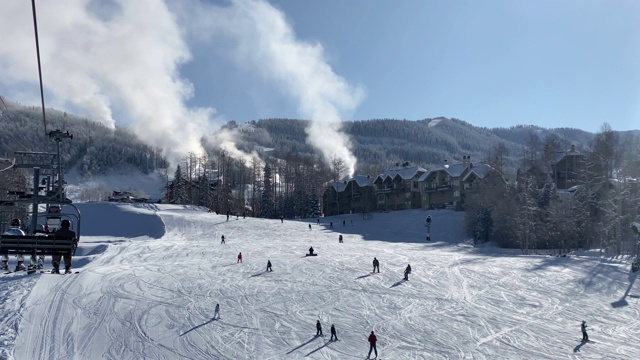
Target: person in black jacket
{"points": [[376, 265], [318, 328], [64, 232], [407, 271], [269, 265], [333, 332]]}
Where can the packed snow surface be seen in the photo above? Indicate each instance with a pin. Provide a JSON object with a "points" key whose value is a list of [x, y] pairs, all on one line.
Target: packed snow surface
{"points": [[151, 276]]}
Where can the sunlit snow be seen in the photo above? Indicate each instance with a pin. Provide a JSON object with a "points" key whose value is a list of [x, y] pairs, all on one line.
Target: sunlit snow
{"points": [[151, 275]]}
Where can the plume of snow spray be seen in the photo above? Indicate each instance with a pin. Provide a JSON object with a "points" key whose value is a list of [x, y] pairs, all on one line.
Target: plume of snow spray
{"points": [[264, 41], [97, 55]]}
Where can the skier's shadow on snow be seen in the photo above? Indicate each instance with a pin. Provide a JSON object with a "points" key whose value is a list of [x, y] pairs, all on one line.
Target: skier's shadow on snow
{"points": [[577, 348], [299, 346], [364, 276], [198, 326], [258, 274], [325, 344], [398, 283]]}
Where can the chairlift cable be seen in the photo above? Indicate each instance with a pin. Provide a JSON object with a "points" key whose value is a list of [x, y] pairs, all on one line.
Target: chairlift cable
{"points": [[35, 29]]}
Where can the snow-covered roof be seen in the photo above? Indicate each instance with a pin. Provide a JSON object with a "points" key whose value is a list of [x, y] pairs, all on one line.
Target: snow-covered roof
{"points": [[405, 173], [339, 186], [561, 155], [362, 180], [454, 170], [480, 170]]}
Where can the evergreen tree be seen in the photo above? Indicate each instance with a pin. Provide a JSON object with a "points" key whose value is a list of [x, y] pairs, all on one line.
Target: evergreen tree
{"points": [[267, 203]]}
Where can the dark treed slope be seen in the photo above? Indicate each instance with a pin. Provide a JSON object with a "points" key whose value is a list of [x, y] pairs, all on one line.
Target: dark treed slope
{"points": [[378, 144], [94, 149], [383, 142]]}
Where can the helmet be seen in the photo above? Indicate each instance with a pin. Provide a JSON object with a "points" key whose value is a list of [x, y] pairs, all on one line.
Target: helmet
{"points": [[15, 222]]}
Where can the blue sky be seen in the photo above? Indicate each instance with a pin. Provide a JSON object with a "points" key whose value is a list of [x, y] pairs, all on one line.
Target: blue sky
{"points": [[164, 67], [490, 63]]}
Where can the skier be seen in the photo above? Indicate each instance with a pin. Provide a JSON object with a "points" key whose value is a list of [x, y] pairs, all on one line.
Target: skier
{"points": [[216, 312], [309, 226], [331, 224], [311, 250], [376, 265], [344, 223], [318, 220], [318, 328], [372, 344], [239, 258], [14, 230], [333, 332], [227, 215], [63, 232], [222, 242], [340, 238], [583, 328], [269, 265], [407, 271], [282, 220]]}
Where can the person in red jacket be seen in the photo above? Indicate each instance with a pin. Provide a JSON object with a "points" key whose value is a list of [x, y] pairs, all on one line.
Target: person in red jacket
{"points": [[372, 344], [239, 258]]}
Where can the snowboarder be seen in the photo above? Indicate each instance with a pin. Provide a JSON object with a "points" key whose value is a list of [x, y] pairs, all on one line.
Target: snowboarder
{"points": [[14, 230], [239, 258], [333, 332], [340, 238], [311, 250], [372, 344], [222, 242], [216, 312], [269, 265], [63, 232], [407, 271], [318, 328], [583, 328], [376, 265]]}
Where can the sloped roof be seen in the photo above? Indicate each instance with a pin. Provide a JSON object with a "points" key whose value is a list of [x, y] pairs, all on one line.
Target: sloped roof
{"points": [[562, 155], [454, 170], [362, 180], [480, 170], [404, 173], [339, 186]]}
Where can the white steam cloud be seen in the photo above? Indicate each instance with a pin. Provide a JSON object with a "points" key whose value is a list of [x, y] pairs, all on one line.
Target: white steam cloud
{"points": [[265, 42], [99, 54]]}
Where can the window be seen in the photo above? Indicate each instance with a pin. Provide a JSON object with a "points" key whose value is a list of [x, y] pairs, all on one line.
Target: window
{"points": [[456, 194]]}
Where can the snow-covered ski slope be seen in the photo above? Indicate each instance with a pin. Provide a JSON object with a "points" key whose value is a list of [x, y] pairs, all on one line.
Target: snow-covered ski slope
{"points": [[148, 291]]}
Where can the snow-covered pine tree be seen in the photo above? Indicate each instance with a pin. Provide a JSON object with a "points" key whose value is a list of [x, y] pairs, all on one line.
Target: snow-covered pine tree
{"points": [[267, 202]]}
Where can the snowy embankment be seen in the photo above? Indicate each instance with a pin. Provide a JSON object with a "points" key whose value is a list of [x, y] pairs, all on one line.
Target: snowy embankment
{"points": [[151, 276]]}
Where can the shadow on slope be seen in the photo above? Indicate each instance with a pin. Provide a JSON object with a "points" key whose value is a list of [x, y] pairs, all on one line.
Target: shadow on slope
{"points": [[119, 220], [407, 226]]}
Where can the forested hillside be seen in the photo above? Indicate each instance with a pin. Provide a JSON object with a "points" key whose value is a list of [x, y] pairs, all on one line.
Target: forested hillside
{"points": [[94, 148]]}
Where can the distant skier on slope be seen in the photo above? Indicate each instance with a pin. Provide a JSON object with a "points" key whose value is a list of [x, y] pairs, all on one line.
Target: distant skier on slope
{"points": [[340, 238], [269, 265], [318, 328], [222, 242], [239, 258], [583, 328], [372, 344], [407, 271], [333, 333], [216, 312], [376, 265]]}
